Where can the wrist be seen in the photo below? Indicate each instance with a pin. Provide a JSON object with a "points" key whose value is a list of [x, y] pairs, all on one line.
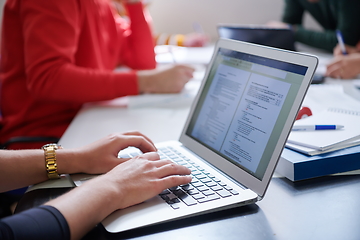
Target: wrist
{"points": [[69, 161], [51, 160], [107, 192], [144, 82]]}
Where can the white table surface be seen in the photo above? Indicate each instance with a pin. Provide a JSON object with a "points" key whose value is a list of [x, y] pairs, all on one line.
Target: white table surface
{"points": [[163, 116]]}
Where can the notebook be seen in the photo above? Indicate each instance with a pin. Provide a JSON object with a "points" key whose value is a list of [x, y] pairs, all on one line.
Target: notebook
{"points": [[234, 134], [324, 141], [273, 37]]}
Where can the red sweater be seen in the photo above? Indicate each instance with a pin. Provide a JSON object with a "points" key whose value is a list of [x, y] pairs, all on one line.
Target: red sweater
{"points": [[58, 54]]}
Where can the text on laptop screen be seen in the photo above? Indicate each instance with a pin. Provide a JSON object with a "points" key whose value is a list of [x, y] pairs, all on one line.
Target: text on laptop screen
{"points": [[242, 108]]}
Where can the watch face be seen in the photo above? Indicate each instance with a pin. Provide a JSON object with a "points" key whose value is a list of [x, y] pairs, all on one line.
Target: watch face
{"points": [[54, 145]]}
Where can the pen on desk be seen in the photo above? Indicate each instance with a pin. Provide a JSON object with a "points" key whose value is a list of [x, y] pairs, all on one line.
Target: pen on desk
{"points": [[316, 127], [341, 42]]}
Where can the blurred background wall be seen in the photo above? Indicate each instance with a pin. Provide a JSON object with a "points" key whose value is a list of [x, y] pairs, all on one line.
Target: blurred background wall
{"points": [[178, 16]]}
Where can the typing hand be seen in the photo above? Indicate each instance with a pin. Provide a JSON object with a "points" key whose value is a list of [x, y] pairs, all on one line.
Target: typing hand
{"points": [[102, 155], [143, 177]]}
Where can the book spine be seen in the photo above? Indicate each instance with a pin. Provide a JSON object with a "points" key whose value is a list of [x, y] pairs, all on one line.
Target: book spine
{"points": [[326, 166]]}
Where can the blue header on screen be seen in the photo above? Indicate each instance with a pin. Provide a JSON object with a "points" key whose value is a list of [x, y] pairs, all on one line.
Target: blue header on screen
{"points": [[288, 67]]}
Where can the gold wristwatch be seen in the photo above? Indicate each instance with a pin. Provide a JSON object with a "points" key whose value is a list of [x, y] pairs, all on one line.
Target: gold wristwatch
{"points": [[50, 160]]}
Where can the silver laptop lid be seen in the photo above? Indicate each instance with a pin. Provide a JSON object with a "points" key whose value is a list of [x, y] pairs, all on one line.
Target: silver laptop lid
{"points": [[245, 108]]}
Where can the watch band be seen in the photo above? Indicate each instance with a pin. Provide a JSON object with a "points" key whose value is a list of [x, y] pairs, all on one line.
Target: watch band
{"points": [[50, 160]]}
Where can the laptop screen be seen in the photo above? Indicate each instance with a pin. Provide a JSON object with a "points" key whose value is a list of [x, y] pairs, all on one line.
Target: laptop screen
{"points": [[243, 107]]}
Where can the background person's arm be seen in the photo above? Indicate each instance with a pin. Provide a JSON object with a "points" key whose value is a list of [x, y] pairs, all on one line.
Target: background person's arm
{"points": [[138, 48], [59, 61], [341, 15], [293, 12]]}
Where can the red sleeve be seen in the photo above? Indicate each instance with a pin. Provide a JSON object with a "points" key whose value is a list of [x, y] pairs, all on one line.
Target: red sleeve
{"points": [[52, 32], [140, 42]]}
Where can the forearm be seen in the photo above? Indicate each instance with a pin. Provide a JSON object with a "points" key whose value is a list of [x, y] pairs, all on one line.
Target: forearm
{"points": [[27, 167], [93, 201], [344, 17], [21, 168], [323, 40], [349, 21], [73, 84]]}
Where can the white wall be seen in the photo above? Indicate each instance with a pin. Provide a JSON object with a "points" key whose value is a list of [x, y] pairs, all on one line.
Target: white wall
{"points": [[177, 16]]}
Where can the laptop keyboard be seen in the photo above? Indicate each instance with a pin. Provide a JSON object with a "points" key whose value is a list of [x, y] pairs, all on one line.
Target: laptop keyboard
{"points": [[204, 187]]}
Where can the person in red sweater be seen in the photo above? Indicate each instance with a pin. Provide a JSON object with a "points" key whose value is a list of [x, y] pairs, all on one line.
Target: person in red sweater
{"points": [[58, 55]]}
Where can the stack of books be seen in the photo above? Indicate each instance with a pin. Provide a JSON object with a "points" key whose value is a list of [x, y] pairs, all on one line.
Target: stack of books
{"points": [[296, 166], [315, 153]]}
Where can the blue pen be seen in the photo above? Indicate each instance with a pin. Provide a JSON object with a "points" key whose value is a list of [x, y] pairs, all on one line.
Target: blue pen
{"points": [[341, 42], [316, 127]]}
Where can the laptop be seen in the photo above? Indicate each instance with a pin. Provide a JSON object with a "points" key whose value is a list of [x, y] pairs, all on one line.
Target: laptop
{"points": [[272, 37], [234, 134]]}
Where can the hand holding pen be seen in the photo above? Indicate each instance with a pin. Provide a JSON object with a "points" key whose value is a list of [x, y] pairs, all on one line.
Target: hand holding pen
{"points": [[341, 42], [345, 64], [349, 50], [342, 48]]}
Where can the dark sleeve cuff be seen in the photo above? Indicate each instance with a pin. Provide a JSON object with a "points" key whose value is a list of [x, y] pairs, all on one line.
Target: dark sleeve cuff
{"points": [[44, 222]]}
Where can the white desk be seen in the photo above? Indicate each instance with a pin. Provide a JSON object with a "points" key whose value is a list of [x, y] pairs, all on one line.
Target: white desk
{"points": [[159, 123]]}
